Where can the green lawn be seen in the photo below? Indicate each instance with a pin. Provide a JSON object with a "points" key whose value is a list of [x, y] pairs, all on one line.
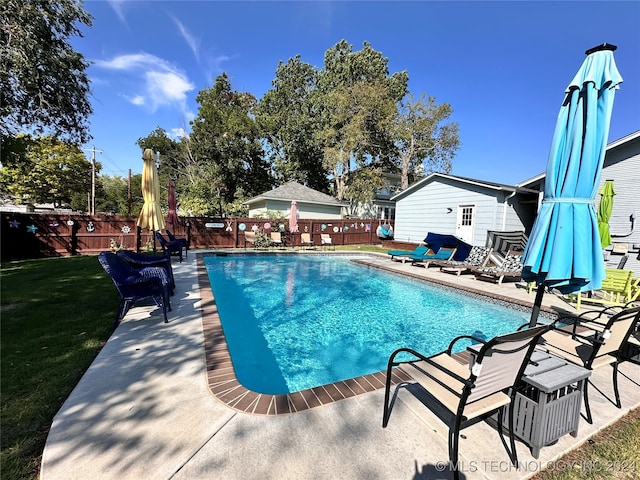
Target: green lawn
{"points": [[57, 313]]}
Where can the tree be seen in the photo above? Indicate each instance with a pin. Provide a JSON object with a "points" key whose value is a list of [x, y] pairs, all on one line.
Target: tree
{"points": [[225, 147], [48, 170], [287, 117], [44, 87], [112, 195], [356, 100], [423, 144]]}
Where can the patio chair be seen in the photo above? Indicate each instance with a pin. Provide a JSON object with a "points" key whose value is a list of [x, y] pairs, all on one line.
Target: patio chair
{"points": [[134, 285], [183, 241], [443, 253], [250, 238], [325, 241], [276, 239], [139, 260], [474, 390], [509, 269], [403, 255], [305, 240], [478, 257], [599, 348], [616, 289], [170, 248]]}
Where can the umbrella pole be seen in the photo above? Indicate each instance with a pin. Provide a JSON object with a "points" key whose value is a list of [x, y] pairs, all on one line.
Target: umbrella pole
{"points": [[536, 306]]}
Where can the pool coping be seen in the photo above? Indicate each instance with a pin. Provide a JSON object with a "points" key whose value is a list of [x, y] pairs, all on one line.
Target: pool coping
{"points": [[224, 385]]}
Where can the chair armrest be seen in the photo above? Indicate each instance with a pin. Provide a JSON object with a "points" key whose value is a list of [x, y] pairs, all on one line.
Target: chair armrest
{"points": [[461, 337]]}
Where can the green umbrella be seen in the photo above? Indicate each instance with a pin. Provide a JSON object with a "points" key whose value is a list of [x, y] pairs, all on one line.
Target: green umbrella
{"points": [[604, 212]]}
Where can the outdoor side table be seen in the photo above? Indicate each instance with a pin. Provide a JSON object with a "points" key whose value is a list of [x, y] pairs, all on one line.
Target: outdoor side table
{"points": [[547, 401]]}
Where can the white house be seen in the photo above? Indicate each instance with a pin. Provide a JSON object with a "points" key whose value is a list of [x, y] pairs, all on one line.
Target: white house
{"points": [[310, 203], [465, 207], [470, 208]]}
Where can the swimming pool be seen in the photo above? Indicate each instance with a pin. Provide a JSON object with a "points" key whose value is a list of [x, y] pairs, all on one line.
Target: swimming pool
{"points": [[294, 322]]}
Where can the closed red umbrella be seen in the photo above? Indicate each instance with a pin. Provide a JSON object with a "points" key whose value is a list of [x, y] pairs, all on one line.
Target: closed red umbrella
{"points": [[172, 217], [293, 217]]}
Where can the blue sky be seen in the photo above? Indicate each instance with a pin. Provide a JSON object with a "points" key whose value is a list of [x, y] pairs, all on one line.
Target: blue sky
{"points": [[503, 66]]}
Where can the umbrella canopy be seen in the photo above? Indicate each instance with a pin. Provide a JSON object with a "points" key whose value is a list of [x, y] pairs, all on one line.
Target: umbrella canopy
{"points": [[604, 213], [151, 214], [293, 217], [564, 249], [172, 216]]}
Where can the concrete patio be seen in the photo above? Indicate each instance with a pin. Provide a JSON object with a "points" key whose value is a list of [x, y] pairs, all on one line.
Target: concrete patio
{"points": [[144, 410]]}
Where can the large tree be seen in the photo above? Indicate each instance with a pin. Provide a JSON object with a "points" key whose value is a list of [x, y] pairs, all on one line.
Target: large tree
{"points": [[288, 119], [44, 87], [423, 140], [225, 147], [46, 170]]}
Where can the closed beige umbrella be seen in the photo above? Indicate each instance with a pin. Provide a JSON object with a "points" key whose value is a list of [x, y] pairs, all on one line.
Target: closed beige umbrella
{"points": [[151, 215]]}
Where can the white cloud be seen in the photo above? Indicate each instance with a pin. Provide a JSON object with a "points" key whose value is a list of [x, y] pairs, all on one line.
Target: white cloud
{"points": [[157, 83], [193, 43], [116, 5]]}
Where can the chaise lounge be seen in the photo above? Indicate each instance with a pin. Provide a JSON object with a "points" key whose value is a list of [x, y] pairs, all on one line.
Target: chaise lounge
{"points": [[478, 257]]}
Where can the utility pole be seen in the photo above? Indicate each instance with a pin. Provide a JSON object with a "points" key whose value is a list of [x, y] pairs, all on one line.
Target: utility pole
{"points": [[92, 206], [129, 195]]}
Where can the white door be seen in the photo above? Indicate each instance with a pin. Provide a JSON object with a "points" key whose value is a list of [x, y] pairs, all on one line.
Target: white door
{"points": [[465, 222]]}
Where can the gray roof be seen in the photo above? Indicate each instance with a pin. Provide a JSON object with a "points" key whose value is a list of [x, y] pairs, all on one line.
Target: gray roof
{"points": [[470, 181], [295, 191]]}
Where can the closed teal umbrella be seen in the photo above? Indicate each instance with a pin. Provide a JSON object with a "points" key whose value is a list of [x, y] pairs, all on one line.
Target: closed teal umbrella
{"points": [[604, 212], [564, 249]]}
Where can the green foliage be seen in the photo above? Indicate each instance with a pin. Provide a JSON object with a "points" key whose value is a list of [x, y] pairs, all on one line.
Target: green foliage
{"points": [[57, 314], [44, 87], [43, 170], [112, 195], [275, 215]]}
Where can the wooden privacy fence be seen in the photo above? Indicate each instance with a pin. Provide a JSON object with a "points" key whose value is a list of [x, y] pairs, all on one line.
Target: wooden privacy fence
{"points": [[34, 235]]}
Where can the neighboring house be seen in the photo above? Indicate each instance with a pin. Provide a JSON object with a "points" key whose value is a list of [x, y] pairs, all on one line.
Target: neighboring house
{"points": [[465, 207], [310, 203], [381, 206]]}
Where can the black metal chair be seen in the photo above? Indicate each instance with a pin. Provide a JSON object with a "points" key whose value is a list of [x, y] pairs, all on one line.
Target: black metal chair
{"points": [[139, 260], [135, 285], [471, 391], [170, 248], [600, 346], [183, 241]]}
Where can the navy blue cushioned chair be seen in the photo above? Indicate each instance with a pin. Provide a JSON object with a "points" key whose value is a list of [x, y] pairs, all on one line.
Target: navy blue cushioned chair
{"points": [[170, 248], [139, 260], [135, 285], [183, 241]]}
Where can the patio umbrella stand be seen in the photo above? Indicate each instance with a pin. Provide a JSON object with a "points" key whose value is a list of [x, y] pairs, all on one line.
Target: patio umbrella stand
{"points": [[564, 249], [151, 215]]}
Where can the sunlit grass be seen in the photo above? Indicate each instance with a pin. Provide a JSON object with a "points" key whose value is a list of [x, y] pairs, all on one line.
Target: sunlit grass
{"points": [[56, 315]]}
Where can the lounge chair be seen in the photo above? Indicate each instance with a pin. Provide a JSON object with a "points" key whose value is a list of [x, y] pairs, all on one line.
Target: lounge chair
{"points": [[325, 240], [478, 257], [509, 269], [250, 238], [403, 255], [276, 239], [135, 285], [616, 289], [305, 240], [170, 248], [183, 241], [139, 260], [443, 253], [473, 390], [597, 349]]}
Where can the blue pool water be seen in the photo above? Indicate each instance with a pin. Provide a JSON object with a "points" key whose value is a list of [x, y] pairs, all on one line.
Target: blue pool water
{"points": [[294, 322]]}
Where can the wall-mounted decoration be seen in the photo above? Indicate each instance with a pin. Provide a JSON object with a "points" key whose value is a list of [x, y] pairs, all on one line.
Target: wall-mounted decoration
{"points": [[323, 227], [71, 223], [336, 229], [54, 225], [91, 227], [267, 226], [254, 228], [229, 229], [32, 229], [242, 227], [126, 229], [367, 227], [14, 223], [345, 228]]}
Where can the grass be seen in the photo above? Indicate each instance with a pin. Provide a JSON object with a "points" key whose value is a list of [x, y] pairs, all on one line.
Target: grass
{"points": [[56, 314]]}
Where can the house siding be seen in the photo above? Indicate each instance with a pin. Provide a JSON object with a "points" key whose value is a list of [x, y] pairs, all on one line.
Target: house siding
{"points": [[426, 210], [622, 165]]}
